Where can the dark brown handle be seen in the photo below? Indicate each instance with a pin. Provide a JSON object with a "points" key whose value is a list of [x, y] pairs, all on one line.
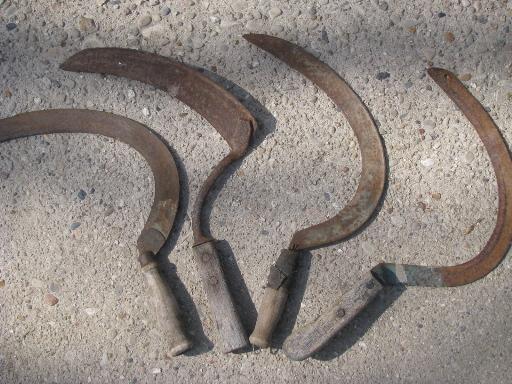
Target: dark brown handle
{"points": [[221, 305], [274, 298], [302, 343], [166, 310]]}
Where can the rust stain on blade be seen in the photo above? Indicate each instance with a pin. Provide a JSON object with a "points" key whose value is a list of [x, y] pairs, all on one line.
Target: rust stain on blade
{"points": [[167, 188], [499, 242], [373, 174], [220, 108]]}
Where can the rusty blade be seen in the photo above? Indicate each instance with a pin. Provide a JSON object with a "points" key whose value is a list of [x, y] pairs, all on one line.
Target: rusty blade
{"points": [[220, 108], [373, 174], [165, 205], [228, 116], [167, 188], [499, 242]]}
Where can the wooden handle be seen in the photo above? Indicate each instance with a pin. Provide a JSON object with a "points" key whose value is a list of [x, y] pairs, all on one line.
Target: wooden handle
{"points": [[274, 298], [166, 310], [271, 309], [221, 305], [302, 343]]}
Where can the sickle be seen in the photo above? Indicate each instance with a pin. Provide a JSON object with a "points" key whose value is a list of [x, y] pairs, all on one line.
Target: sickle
{"points": [[227, 115], [355, 214], [165, 204], [303, 343]]}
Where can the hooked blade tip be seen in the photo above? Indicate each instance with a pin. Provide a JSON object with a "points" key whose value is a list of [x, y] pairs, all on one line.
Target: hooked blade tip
{"points": [[438, 73]]}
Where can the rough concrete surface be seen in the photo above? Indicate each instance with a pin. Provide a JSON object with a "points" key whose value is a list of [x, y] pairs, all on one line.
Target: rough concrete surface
{"points": [[73, 206]]}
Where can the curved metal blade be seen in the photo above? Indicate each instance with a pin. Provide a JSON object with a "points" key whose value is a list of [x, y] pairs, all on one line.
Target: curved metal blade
{"points": [[373, 173], [499, 242], [167, 187], [227, 115], [220, 108]]}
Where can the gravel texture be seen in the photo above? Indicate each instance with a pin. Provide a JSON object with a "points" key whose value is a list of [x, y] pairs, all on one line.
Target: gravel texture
{"points": [[73, 306]]}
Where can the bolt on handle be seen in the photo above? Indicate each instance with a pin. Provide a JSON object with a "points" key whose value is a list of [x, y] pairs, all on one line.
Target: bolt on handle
{"points": [[302, 343], [274, 298], [166, 310], [221, 305]]}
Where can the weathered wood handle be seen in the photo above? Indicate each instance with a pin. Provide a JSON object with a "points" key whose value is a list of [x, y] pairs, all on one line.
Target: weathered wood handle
{"points": [[166, 310], [302, 343], [271, 309], [274, 298], [221, 305]]}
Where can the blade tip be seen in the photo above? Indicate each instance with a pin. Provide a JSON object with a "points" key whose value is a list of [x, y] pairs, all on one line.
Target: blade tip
{"points": [[438, 73], [251, 37]]}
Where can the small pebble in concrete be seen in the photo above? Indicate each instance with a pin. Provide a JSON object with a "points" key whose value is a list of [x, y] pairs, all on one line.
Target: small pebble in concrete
{"points": [[156, 371], [441, 14], [50, 299], [145, 20], [449, 37], [274, 12], [11, 26], [469, 157], [436, 195], [133, 30], [382, 75], [91, 311], [74, 226], [428, 53], [383, 5], [54, 287], [429, 124], [427, 163], [397, 221], [325, 37], [86, 24], [2, 283], [165, 11], [276, 28], [112, 333], [130, 93], [82, 194], [145, 111], [469, 229]]}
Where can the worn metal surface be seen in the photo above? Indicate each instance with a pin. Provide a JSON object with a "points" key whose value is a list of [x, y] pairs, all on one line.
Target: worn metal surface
{"points": [[220, 108], [165, 204], [167, 188], [373, 165], [227, 115], [304, 342], [499, 242], [362, 205]]}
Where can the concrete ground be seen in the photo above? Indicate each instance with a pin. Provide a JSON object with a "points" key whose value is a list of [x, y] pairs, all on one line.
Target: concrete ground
{"points": [[73, 206]]}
